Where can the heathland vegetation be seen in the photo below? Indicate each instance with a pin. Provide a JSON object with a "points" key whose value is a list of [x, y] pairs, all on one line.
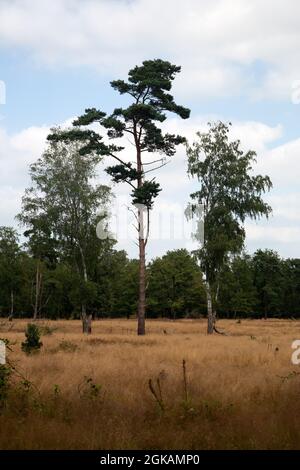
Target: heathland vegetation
{"points": [[94, 392]]}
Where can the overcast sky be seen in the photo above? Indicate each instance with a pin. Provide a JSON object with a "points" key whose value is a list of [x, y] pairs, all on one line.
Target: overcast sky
{"points": [[240, 62]]}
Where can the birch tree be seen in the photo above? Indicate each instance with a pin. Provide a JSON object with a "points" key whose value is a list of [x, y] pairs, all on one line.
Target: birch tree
{"points": [[64, 197], [228, 192]]}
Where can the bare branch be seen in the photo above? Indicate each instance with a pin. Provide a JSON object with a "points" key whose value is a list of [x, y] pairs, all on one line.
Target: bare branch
{"points": [[154, 161], [129, 131], [131, 143], [131, 210], [156, 168]]}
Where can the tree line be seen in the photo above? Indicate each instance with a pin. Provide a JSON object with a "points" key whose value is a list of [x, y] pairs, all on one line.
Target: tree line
{"points": [[259, 286]]}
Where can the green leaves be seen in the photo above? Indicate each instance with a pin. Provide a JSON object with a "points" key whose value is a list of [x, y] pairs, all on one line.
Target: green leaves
{"points": [[141, 113], [156, 74], [91, 115], [60, 210], [155, 141], [229, 192], [91, 142], [122, 173], [32, 342], [121, 86], [175, 286], [146, 194], [268, 270], [115, 127]]}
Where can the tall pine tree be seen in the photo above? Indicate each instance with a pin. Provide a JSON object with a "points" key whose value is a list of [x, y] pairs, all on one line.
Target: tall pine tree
{"points": [[147, 89]]}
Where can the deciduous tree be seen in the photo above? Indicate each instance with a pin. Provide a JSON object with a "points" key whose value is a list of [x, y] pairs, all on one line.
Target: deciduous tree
{"points": [[229, 193], [61, 209]]}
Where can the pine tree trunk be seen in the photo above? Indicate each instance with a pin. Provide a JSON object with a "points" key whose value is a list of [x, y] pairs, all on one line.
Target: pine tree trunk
{"points": [[142, 277], [142, 247]]}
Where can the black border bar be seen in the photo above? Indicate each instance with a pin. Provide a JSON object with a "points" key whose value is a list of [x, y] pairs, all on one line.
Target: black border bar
{"points": [[136, 459]]}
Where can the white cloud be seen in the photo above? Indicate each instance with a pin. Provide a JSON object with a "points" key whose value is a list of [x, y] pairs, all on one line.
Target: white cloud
{"points": [[267, 234], [287, 207], [283, 162], [256, 135], [226, 47], [30, 140], [17, 152]]}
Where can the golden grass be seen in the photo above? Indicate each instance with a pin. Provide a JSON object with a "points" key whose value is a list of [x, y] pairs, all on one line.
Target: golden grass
{"points": [[236, 396]]}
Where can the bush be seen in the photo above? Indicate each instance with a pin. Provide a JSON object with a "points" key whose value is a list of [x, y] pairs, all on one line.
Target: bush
{"points": [[46, 330], [32, 343], [67, 346]]}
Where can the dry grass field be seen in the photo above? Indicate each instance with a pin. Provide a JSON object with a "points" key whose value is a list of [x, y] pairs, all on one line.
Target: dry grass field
{"points": [[239, 391]]}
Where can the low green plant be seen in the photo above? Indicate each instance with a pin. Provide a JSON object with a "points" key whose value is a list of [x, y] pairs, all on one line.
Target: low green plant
{"points": [[89, 389], [32, 342], [56, 390]]}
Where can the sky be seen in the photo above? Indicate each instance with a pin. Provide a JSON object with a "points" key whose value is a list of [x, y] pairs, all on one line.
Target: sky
{"points": [[240, 62]]}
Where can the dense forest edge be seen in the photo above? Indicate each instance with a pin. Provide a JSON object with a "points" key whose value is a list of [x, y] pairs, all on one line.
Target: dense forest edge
{"points": [[259, 286]]}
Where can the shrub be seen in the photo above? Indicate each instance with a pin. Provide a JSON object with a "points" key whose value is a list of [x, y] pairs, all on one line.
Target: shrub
{"points": [[89, 389], [67, 346], [32, 343], [46, 330]]}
